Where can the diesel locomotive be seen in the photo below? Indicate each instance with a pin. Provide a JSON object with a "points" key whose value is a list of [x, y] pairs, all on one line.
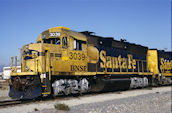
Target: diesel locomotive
{"points": [[64, 62]]}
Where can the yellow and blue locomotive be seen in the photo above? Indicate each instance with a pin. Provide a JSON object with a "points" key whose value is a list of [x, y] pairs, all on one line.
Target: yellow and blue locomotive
{"points": [[63, 61]]}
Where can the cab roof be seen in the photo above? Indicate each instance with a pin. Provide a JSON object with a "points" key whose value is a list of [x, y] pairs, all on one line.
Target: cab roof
{"points": [[74, 34]]}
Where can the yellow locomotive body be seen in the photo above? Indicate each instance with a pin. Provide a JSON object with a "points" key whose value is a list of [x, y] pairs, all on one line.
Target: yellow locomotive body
{"points": [[64, 62]]}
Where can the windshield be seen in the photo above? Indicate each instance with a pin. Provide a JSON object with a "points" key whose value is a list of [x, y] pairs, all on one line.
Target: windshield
{"points": [[52, 41]]}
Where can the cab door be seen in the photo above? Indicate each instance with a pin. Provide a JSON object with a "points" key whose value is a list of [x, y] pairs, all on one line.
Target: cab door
{"points": [[63, 64]]}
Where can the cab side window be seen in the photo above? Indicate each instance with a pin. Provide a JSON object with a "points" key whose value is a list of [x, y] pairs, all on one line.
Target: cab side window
{"points": [[77, 45], [64, 40]]}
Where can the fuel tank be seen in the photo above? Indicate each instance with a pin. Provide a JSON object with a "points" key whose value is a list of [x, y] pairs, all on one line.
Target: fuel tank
{"points": [[102, 85]]}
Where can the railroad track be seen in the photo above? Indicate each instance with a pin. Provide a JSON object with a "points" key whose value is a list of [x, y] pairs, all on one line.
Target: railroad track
{"points": [[5, 103], [13, 102]]}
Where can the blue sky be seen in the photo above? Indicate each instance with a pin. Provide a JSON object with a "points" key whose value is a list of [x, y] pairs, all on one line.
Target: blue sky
{"points": [[145, 22]]}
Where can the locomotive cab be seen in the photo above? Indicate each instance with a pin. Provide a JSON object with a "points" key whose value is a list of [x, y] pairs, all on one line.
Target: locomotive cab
{"points": [[58, 51]]}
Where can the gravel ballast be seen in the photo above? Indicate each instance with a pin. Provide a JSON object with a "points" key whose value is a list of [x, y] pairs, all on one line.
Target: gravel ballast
{"points": [[155, 100], [149, 103], [4, 90]]}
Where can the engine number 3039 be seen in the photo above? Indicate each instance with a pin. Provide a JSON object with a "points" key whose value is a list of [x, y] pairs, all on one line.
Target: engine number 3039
{"points": [[76, 56]]}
